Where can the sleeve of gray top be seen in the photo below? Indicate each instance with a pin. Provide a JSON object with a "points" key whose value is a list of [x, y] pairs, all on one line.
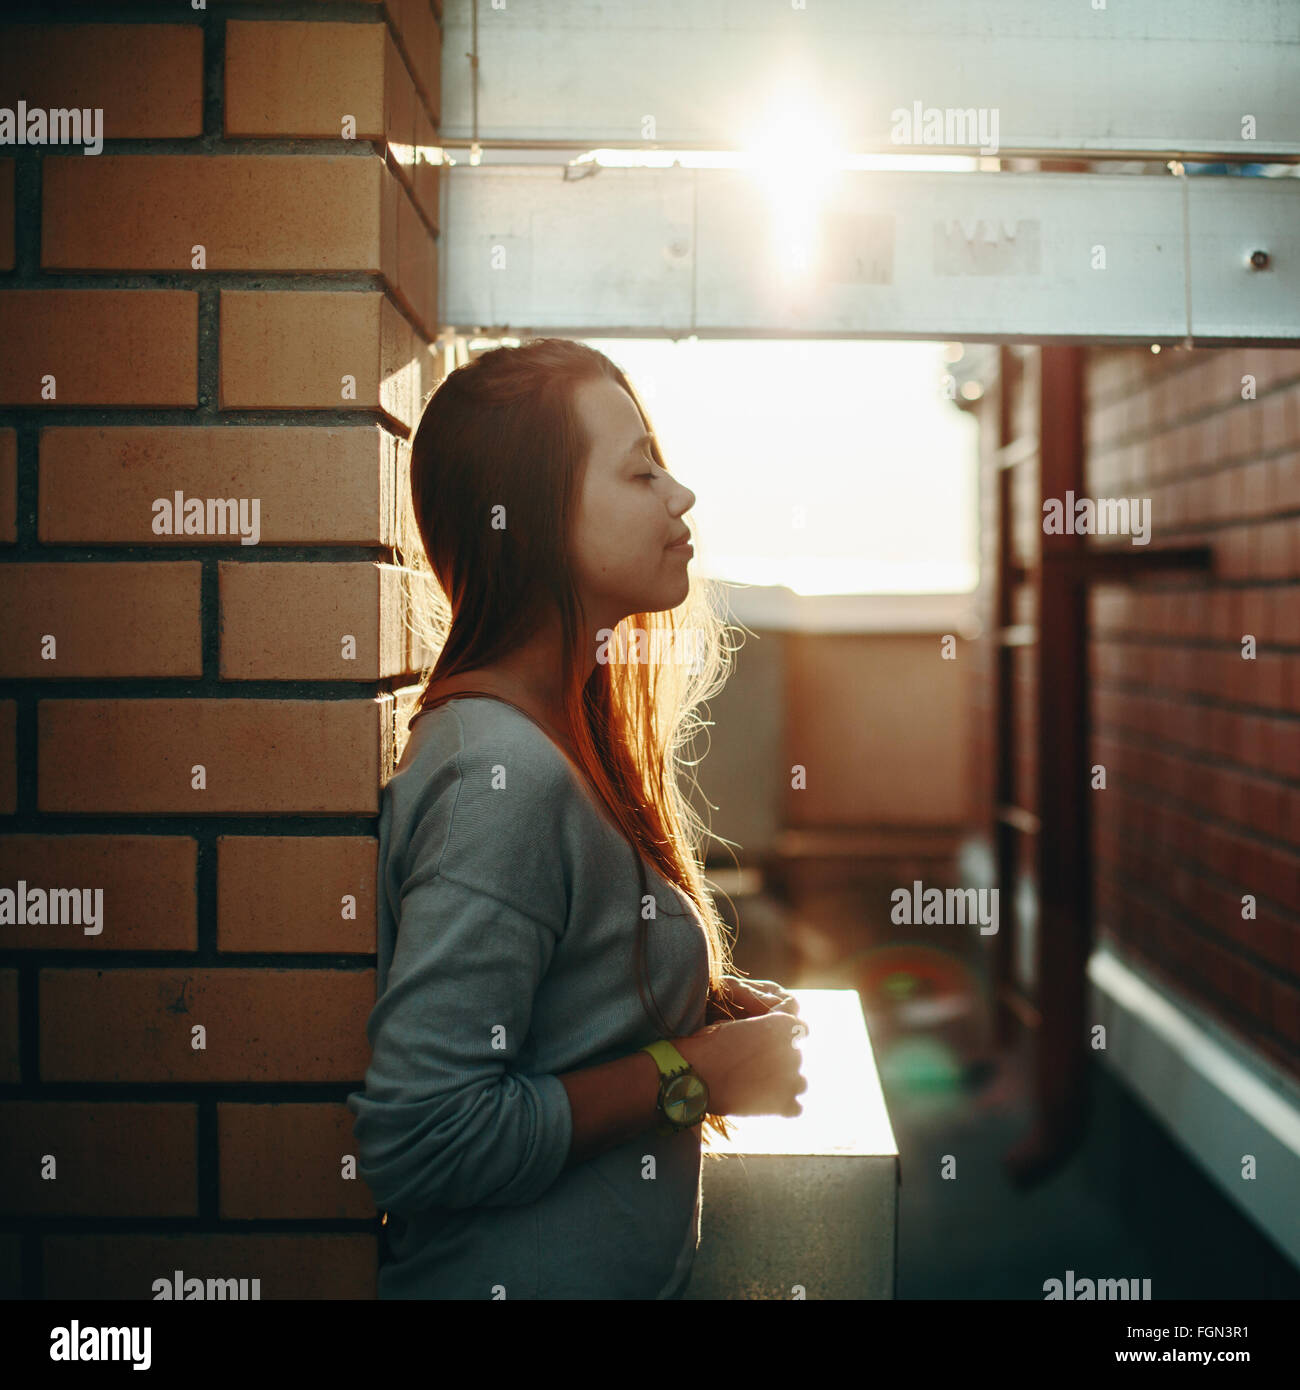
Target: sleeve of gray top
{"points": [[446, 1119]]}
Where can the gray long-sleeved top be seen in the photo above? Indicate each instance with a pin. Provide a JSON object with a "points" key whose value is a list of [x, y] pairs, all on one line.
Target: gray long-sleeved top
{"points": [[508, 911]]}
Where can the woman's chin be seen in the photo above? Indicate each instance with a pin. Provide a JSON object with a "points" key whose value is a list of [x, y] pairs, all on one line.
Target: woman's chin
{"points": [[666, 601], [671, 596]]}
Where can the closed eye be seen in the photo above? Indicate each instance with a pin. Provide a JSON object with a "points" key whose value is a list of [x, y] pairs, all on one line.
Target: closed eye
{"points": [[654, 464]]}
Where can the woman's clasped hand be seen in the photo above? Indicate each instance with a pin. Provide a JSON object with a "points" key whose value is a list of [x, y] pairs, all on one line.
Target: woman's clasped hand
{"points": [[746, 1052]]}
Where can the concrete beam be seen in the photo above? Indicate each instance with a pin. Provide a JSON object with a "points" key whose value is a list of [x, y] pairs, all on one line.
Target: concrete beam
{"points": [[996, 257], [1181, 78]]}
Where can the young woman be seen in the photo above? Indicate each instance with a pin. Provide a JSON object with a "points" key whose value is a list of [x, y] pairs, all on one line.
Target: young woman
{"points": [[543, 918]]}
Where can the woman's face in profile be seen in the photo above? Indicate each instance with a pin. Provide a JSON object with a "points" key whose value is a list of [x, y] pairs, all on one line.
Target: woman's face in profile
{"points": [[630, 512]]}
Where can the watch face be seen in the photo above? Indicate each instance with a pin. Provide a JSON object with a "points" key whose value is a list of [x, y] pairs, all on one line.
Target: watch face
{"points": [[686, 1098]]}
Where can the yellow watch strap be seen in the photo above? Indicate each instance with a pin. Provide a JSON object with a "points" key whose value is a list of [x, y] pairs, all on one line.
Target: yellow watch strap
{"points": [[667, 1058]]}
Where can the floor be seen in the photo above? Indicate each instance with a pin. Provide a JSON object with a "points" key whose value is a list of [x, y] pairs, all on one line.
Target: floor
{"points": [[1128, 1204]]}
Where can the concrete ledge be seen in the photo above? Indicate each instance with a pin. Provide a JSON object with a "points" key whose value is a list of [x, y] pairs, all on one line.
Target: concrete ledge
{"points": [[807, 1206]]}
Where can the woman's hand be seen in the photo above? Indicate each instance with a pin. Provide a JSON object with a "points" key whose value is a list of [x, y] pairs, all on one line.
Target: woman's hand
{"points": [[750, 1065], [748, 999]]}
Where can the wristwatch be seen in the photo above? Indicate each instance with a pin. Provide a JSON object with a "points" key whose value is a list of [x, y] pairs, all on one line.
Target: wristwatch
{"points": [[683, 1093]]}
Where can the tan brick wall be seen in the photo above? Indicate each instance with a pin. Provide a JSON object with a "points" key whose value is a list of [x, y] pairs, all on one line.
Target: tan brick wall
{"points": [[296, 893], [1201, 746], [57, 1153], [114, 619], [282, 1161], [217, 342], [147, 78], [99, 347], [148, 882], [100, 485], [327, 1267]]}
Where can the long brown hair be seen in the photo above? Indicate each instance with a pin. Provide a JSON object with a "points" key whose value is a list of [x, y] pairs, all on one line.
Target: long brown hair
{"points": [[503, 432]]}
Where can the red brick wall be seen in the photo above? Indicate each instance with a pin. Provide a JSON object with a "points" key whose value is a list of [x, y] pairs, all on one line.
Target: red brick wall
{"points": [[1201, 747], [245, 905]]}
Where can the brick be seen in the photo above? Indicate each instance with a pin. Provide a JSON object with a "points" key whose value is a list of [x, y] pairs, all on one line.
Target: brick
{"points": [[261, 1025], [1271, 937], [1165, 401], [424, 362], [326, 1267], [1287, 822], [10, 1068], [409, 257], [389, 254], [1274, 549], [286, 1162], [1279, 876], [428, 162], [1286, 364], [129, 618], [1290, 697], [303, 213], [8, 757], [100, 484], [1232, 552], [1286, 612], [1242, 424], [296, 79], [1195, 386], [291, 78], [148, 882], [7, 214], [1261, 363], [417, 267], [1285, 479], [1284, 747], [431, 69], [1279, 419], [1257, 611], [1286, 1011], [1255, 488], [147, 78], [1227, 369], [262, 757], [421, 41], [127, 1158], [104, 347], [291, 893], [8, 486], [1228, 497], [401, 102], [288, 621], [287, 350], [1137, 414]]}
